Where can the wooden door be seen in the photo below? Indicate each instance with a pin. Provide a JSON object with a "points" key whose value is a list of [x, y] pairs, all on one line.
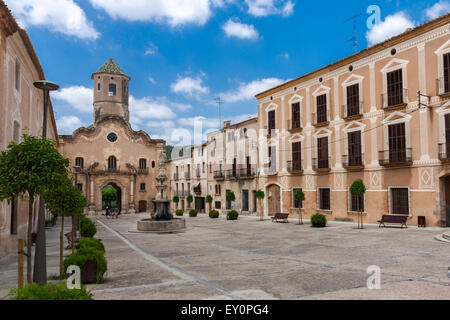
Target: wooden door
{"points": [[142, 206], [273, 199], [397, 143]]}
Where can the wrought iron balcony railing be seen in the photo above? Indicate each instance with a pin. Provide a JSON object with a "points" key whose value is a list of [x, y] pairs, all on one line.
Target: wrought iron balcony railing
{"points": [[231, 174], [294, 125], [247, 172], [353, 161], [219, 175], [187, 175], [443, 85], [321, 164], [321, 119], [394, 99], [395, 157], [444, 151], [143, 170], [350, 111], [294, 166]]}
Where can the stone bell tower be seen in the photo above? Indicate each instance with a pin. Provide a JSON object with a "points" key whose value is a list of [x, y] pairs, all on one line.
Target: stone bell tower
{"points": [[111, 92]]}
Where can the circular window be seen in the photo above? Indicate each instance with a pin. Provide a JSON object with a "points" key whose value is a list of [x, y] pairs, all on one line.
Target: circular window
{"points": [[112, 137], [393, 52]]}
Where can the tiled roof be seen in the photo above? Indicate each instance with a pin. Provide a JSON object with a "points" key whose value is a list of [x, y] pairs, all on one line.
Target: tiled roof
{"points": [[111, 66]]}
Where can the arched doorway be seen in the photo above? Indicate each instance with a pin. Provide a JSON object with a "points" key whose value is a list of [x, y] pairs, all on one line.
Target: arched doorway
{"points": [[112, 196], [273, 193]]}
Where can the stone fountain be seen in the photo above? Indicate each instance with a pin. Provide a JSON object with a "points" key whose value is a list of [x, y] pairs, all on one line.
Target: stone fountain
{"points": [[161, 220]]}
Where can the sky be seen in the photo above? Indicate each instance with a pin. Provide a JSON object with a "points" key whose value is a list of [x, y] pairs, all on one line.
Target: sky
{"points": [[182, 55]]}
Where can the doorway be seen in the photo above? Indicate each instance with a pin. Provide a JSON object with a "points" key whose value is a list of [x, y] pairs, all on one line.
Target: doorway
{"points": [[112, 197], [447, 200], [142, 206], [274, 199]]}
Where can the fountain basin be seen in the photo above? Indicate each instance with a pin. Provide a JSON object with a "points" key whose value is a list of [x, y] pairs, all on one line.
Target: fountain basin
{"points": [[150, 225]]}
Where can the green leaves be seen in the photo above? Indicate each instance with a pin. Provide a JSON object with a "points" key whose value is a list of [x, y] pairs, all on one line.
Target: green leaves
{"points": [[358, 187], [299, 195], [259, 194], [209, 199], [230, 196], [64, 198], [189, 199]]}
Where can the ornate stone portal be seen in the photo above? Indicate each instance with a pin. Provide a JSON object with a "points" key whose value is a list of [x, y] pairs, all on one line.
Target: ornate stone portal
{"points": [[162, 220]]}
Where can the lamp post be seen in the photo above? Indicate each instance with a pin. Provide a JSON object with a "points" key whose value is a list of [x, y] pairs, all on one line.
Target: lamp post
{"points": [[74, 220], [40, 256]]}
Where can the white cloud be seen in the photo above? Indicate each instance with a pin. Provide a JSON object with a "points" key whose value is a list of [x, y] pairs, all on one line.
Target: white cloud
{"points": [[247, 91], [393, 25], [233, 28], [285, 56], [63, 16], [151, 80], [78, 97], [438, 9], [68, 124], [189, 85], [151, 50], [199, 121], [172, 12], [182, 106], [149, 108], [263, 8]]}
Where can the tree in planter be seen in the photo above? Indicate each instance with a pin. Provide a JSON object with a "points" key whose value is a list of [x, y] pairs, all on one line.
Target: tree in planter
{"points": [[299, 196], [358, 189], [189, 200], [65, 200], [176, 199], [109, 195], [230, 196], [260, 195], [27, 170], [209, 200]]}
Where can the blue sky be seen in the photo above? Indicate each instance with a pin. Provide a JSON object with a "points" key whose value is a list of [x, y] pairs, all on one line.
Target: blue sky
{"points": [[182, 55]]}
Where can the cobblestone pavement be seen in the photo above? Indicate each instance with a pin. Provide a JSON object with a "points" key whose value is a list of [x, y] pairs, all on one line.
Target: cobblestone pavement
{"points": [[250, 259]]}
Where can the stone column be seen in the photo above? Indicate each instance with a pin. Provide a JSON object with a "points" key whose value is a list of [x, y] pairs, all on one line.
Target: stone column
{"points": [[91, 199], [131, 207]]}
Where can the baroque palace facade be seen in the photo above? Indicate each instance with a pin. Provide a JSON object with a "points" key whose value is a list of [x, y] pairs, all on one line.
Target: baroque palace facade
{"points": [[109, 153], [21, 110], [359, 118]]}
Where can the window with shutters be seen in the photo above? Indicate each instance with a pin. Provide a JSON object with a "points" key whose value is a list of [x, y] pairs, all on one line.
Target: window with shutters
{"points": [[271, 122], [321, 108], [394, 87], [112, 90], [79, 162], [112, 163], [400, 201], [272, 159], [354, 149], [142, 164], [353, 100], [356, 202], [296, 156], [324, 200], [322, 153], [295, 115], [397, 143], [446, 58]]}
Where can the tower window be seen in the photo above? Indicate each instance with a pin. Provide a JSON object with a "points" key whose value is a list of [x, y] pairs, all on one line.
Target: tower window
{"points": [[79, 162], [112, 163], [99, 86], [112, 137], [112, 90], [153, 164], [142, 164], [17, 76]]}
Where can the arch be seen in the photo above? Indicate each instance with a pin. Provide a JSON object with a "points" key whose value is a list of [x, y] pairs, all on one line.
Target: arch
{"points": [[121, 193]]}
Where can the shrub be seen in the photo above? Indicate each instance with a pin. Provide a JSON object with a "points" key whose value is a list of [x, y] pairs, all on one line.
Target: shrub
{"points": [[193, 213], [214, 214], [81, 256], [179, 212], [232, 215], [88, 228], [33, 291], [318, 220], [95, 244]]}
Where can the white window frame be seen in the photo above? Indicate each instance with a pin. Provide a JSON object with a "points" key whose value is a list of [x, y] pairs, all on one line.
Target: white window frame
{"points": [[350, 81], [296, 99], [322, 133], [322, 89], [444, 49], [442, 112], [352, 127], [402, 118], [394, 65]]}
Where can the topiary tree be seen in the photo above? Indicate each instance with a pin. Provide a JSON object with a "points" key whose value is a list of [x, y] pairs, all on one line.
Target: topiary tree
{"points": [[189, 200], [27, 170], [318, 220], [209, 200], [358, 189], [214, 214], [193, 213], [232, 215], [176, 199], [65, 200], [299, 196], [230, 196], [109, 195], [260, 195]]}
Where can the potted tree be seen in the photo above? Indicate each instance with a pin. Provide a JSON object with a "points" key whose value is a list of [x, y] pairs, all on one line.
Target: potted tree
{"points": [[299, 196], [260, 195], [189, 200], [209, 200], [358, 189], [176, 199], [230, 196]]}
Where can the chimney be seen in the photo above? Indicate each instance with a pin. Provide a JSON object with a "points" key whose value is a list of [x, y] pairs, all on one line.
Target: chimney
{"points": [[226, 124]]}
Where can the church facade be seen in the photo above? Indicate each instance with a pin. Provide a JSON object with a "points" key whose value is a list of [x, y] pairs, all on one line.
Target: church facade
{"points": [[109, 153]]}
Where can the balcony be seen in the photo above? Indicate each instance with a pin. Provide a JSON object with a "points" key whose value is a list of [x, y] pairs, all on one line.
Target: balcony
{"points": [[444, 152], [143, 170], [395, 100], [112, 170], [270, 169], [353, 162], [187, 175], [443, 87], [352, 112], [247, 173], [270, 131], [198, 173], [321, 120], [175, 176], [394, 158], [219, 175], [322, 164], [294, 125], [231, 174], [295, 167]]}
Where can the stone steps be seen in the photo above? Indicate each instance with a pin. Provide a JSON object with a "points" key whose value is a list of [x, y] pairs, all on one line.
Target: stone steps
{"points": [[445, 237]]}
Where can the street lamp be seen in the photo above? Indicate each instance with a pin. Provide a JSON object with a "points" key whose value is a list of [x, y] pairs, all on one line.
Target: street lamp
{"points": [[76, 170], [40, 256]]}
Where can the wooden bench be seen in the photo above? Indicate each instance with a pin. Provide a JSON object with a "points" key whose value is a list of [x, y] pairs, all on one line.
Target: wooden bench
{"points": [[69, 239], [280, 217], [393, 219]]}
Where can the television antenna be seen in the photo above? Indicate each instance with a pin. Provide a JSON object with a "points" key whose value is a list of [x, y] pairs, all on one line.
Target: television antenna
{"points": [[353, 39]]}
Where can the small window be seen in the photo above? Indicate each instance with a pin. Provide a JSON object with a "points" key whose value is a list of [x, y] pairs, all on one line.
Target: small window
{"points": [[324, 199], [218, 205], [153, 164], [17, 76], [80, 187], [112, 137], [142, 164], [356, 202], [112, 90], [297, 203], [400, 201], [99, 86], [79, 162], [112, 162], [142, 187]]}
